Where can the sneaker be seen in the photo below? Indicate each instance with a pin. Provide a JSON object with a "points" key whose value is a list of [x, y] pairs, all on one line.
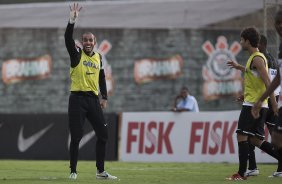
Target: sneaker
{"points": [[236, 177], [105, 175], [73, 176], [276, 174], [252, 172]]}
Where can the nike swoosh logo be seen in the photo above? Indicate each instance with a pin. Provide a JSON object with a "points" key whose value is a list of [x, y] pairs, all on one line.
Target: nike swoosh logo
{"points": [[25, 143], [84, 139], [103, 176]]}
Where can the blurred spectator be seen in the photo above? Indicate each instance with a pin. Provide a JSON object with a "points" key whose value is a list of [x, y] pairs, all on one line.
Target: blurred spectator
{"points": [[185, 102]]}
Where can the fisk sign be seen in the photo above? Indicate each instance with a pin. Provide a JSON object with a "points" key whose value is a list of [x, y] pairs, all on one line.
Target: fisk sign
{"points": [[159, 142], [181, 137]]}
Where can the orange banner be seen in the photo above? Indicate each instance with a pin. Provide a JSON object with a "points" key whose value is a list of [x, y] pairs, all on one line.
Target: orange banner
{"points": [[16, 70], [146, 70]]}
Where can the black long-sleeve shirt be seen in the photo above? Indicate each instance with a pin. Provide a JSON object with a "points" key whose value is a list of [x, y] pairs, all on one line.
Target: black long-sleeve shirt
{"points": [[75, 55]]}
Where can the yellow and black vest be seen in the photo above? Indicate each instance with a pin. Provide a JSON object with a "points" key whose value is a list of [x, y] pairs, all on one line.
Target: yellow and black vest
{"points": [[254, 86], [85, 76]]}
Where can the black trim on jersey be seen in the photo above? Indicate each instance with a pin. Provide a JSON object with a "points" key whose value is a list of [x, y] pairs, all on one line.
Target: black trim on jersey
{"points": [[75, 55], [272, 63], [280, 51], [101, 62], [251, 65], [102, 84], [102, 81]]}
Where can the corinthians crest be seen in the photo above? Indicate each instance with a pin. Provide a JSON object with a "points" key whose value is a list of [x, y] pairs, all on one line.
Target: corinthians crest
{"points": [[219, 79]]}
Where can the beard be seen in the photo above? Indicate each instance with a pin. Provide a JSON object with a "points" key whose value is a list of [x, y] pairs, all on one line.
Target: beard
{"points": [[88, 51]]}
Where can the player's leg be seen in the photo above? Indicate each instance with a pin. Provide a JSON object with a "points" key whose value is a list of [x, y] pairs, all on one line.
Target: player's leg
{"points": [[97, 121], [258, 139], [252, 169], [277, 141], [271, 118], [265, 146], [269, 121], [246, 126], [243, 150], [271, 150], [76, 116], [243, 131], [272, 123]]}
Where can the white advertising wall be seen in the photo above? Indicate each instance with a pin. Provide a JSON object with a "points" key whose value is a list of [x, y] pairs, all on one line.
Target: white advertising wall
{"points": [[182, 137]]}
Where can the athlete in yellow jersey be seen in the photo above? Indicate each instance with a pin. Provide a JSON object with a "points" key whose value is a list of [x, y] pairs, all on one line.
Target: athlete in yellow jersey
{"points": [[255, 82], [87, 79], [85, 76]]}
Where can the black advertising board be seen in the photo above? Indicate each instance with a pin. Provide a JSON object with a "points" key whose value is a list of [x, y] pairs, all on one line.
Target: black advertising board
{"points": [[46, 137]]}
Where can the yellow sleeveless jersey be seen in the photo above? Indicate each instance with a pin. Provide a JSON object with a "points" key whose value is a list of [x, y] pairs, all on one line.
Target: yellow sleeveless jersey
{"points": [[254, 86], [85, 76]]}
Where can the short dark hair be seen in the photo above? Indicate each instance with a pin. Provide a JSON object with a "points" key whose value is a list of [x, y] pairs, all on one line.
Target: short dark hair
{"points": [[89, 33], [185, 88], [263, 40], [252, 35]]}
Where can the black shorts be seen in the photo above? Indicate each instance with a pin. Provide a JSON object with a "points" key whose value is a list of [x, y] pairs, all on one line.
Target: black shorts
{"points": [[271, 119], [84, 105], [248, 125], [278, 125]]}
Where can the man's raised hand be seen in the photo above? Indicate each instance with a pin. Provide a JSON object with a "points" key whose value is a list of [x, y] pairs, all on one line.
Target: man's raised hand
{"points": [[74, 11], [232, 64]]}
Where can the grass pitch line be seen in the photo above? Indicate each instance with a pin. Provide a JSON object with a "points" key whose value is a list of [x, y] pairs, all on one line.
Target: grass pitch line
{"points": [[146, 169]]}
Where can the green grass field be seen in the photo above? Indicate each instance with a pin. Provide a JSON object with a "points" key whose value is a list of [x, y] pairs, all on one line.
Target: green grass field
{"points": [[33, 172]]}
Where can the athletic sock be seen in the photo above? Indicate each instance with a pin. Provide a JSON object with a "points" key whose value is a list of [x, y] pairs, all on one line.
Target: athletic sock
{"points": [[279, 168], [279, 151], [243, 157], [73, 155], [73, 170], [252, 157], [100, 154], [269, 149]]}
